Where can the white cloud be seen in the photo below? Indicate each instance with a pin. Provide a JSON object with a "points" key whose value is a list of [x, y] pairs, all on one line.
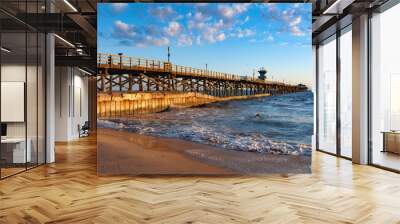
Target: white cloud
{"points": [[161, 41], [220, 37], [240, 33], [209, 35], [173, 28], [121, 25], [150, 41], [294, 27], [293, 21], [119, 7], [123, 30], [229, 11], [185, 40], [296, 31], [216, 24], [290, 18], [163, 12], [204, 25], [201, 17], [213, 32], [239, 8], [196, 25], [220, 24], [212, 35], [130, 35], [210, 32]]}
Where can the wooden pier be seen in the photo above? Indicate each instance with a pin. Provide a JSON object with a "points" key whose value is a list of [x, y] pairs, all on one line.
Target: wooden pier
{"points": [[129, 86], [118, 73]]}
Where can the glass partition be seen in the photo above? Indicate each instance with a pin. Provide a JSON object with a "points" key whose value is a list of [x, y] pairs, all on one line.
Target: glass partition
{"points": [[22, 90], [14, 153], [327, 96], [385, 89]]}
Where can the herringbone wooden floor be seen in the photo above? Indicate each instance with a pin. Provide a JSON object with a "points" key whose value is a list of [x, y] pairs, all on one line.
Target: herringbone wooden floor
{"points": [[69, 191]]}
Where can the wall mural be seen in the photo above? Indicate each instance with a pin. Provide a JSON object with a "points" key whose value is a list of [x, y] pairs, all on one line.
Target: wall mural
{"points": [[197, 88]]}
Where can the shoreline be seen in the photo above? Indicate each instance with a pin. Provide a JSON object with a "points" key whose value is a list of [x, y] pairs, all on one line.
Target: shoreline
{"points": [[223, 99], [125, 153]]}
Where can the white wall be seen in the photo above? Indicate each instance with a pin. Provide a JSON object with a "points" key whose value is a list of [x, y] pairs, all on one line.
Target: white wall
{"points": [[16, 73], [62, 82], [12, 73], [80, 110], [71, 102], [33, 127]]}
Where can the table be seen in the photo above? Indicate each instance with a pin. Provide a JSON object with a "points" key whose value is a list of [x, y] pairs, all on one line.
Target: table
{"points": [[16, 146], [391, 141]]}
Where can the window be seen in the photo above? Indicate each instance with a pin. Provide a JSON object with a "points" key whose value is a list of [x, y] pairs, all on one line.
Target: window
{"points": [[385, 89], [346, 93], [327, 96]]}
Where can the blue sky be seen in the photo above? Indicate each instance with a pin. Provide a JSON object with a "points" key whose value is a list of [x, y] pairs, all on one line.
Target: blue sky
{"points": [[231, 38]]}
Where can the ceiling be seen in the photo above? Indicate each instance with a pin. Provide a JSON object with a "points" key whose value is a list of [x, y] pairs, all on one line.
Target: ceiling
{"points": [[330, 15], [76, 22]]}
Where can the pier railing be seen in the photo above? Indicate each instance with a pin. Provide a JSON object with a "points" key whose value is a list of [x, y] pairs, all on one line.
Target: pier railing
{"points": [[132, 63]]}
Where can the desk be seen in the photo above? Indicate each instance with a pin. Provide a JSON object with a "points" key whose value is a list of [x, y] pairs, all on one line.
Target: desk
{"points": [[16, 147], [391, 141]]}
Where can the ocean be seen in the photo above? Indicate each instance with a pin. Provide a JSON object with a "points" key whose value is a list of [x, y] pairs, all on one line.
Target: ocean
{"points": [[279, 124]]}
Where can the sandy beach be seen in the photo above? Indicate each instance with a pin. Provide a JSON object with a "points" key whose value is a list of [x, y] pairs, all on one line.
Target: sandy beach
{"points": [[125, 153]]}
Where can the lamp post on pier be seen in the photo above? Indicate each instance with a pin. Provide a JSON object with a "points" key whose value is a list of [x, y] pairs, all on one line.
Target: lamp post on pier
{"points": [[169, 54], [120, 60]]}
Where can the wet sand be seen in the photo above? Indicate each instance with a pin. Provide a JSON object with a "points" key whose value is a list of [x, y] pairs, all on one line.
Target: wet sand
{"points": [[125, 153]]}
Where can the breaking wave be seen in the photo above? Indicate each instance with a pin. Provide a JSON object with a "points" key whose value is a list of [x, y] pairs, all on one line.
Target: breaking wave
{"points": [[278, 125]]}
